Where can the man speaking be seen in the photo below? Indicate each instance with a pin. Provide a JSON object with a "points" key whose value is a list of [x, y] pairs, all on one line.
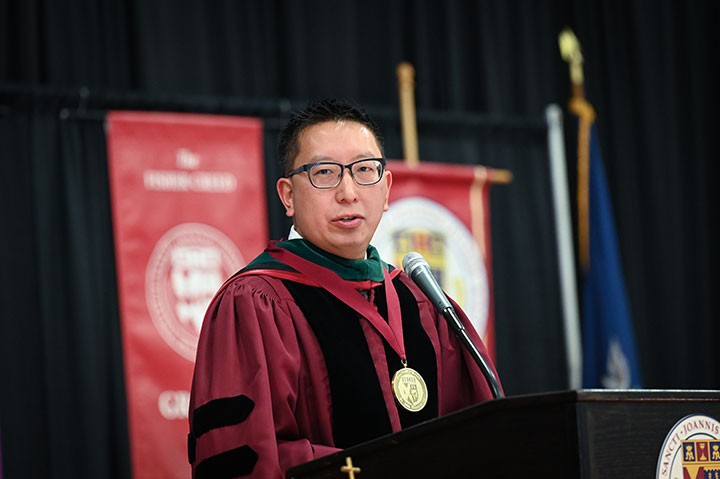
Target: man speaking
{"points": [[317, 344]]}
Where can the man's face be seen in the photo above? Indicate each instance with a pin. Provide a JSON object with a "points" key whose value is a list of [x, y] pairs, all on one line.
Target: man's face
{"points": [[339, 220]]}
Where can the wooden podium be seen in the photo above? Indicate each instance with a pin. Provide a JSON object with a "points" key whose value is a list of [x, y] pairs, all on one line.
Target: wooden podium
{"points": [[571, 434]]}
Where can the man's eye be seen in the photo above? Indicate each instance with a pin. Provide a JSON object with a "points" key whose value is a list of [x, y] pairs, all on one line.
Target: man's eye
{"points": [[323, 171]]}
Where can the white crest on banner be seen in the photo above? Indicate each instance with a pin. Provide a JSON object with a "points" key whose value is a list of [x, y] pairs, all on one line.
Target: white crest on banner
{"points": [[187, 266], [422, 225]]}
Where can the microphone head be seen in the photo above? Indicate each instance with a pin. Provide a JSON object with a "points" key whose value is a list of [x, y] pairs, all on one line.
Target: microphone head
{"points": [[412, 261]]}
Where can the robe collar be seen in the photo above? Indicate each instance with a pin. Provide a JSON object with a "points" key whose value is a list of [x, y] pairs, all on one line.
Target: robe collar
{"points": [[369, 269]]}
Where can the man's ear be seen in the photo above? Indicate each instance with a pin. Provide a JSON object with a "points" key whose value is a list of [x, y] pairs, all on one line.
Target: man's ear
{"points": [[285, 192], [388, 178]]}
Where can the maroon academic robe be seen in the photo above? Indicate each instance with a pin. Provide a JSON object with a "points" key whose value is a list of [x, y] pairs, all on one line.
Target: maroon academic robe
{"points": [[257, 345]]}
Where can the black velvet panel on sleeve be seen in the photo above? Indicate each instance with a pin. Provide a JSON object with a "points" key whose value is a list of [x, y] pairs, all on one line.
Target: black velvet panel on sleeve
{"points": [[220, 413], [236, 462]]}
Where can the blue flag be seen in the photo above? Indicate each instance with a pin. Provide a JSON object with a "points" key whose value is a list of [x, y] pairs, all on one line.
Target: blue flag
{"points": [[609, 356]]}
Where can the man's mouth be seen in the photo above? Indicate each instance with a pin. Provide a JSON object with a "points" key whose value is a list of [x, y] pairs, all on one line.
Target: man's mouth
{"points": [[349, 220]]}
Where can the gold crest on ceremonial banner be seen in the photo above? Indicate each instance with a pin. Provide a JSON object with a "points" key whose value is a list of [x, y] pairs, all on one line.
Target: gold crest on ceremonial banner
{"points": [[422, 225], [430, 244], [410, 389]]}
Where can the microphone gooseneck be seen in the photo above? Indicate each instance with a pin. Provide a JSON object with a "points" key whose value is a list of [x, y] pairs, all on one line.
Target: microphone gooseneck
{"points": [[418, 269]]}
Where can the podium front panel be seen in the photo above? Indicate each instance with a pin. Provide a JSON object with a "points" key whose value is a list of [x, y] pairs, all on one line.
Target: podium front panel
{"points": [[572, 434]]}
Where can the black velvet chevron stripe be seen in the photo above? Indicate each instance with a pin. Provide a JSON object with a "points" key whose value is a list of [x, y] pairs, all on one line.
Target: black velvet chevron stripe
{"points": [[220, 413], [232, 463], [191, 448]]}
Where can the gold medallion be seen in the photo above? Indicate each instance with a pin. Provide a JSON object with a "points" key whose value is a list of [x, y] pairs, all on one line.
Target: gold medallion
{"points": [[409, 389]]}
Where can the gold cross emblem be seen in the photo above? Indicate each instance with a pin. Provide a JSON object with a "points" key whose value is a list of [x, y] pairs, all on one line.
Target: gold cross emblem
{"points": [[349, 468]]}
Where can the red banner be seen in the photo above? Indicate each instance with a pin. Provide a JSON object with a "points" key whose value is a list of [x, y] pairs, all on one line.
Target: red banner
{"points": [[189, 209], [441, 211]]}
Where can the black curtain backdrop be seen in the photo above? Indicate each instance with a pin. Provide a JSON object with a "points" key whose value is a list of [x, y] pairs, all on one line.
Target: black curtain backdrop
{"points": [[485, 72], [63, 408]]}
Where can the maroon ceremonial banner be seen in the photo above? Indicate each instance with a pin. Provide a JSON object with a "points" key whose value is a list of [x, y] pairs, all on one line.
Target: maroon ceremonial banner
{"points": [[441, 211], [189, 209]]}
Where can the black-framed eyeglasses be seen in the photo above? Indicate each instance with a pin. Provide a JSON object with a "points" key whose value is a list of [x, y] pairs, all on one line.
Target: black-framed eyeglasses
{"points": [[327, 174]]}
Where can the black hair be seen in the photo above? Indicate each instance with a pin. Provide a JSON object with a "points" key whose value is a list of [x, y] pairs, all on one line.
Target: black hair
{"points": [[319, 112]]}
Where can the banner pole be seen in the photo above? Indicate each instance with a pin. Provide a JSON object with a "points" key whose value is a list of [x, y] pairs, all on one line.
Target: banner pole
{"points": [[408, 120], [406, 86]]}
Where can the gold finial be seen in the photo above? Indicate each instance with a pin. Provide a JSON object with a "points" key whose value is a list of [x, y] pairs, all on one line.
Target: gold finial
{"points": [[572, 54], [406, 73], [349, 469]]}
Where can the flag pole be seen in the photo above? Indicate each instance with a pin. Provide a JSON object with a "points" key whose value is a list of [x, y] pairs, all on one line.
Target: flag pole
{"points": [[572, 54], [563, 237]]}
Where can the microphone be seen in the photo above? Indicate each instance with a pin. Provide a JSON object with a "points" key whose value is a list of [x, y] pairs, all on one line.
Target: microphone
{"points": [[418, 269]]}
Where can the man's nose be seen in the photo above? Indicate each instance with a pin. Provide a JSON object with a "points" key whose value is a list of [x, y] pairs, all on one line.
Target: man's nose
{"points": [[346, 190]]}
